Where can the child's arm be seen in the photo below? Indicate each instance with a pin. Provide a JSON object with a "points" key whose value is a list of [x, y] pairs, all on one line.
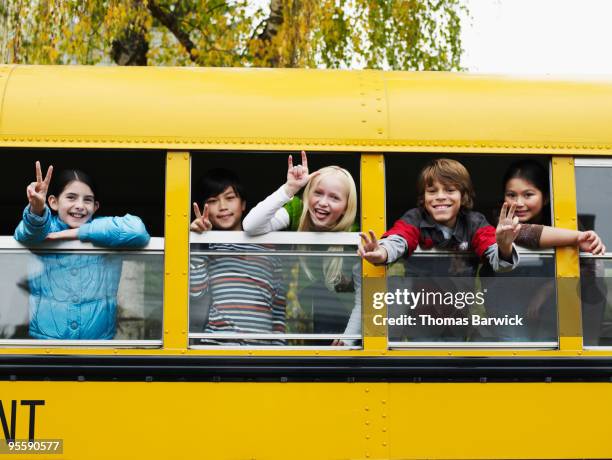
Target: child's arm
{"points": [[587, 241], [506, 232], [33, 228], [36, 221], [370, 250], [269, 215], [127, 231]]}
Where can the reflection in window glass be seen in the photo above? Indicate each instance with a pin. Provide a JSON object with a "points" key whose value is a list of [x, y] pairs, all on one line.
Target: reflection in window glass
{"points": [[593, 214], [441, 301], [593, 204], [595, 276], [115, 296], [244, 294]]}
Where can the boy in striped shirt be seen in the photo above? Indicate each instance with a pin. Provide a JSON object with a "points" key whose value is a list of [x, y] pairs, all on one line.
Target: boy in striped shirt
{"points": [[245, 292]]}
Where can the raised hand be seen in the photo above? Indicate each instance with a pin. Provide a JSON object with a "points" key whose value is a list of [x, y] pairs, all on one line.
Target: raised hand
{"points": [[370, 250], [297, 176], [201, 223], [591, 242], [37, 191], [507, 230]]}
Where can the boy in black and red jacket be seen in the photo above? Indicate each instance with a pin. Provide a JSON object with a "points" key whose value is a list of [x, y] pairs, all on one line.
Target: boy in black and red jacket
{"points": [[444, 220]]}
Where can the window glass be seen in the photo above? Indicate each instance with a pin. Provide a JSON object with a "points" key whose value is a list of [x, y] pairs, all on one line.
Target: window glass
{"points": [[70, 295], [437, 298], [593, 176], [88, 264], [455, 288], [248, 293], [260, 282]]}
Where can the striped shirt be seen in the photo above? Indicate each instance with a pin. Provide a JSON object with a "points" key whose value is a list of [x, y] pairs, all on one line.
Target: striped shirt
{"points": [[247, 292]]}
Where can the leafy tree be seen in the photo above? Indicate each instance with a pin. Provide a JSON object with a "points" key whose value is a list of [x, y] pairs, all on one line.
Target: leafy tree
{"points": [[392, 34]]}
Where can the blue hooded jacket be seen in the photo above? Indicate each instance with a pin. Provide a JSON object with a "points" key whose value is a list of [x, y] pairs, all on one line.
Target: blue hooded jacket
{"points": [[74, 296]]}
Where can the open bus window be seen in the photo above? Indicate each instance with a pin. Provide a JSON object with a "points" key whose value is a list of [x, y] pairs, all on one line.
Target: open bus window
{"points": [[97, 288], [592, 177], [282, 288], [446, 292]]}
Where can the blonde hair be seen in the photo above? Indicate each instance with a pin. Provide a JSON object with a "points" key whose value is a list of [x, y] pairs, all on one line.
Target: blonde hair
{"points": [[348, 218], [332, 266]]}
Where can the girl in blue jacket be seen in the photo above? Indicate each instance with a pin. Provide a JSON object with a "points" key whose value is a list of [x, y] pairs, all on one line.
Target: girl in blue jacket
{"points": [[74, 296]]}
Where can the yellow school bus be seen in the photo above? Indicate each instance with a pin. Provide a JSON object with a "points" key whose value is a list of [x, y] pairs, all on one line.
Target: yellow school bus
{"points": [[165, 387]]}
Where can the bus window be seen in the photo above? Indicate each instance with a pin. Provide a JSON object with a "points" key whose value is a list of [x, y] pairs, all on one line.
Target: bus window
{"points": [[453, 289], [593, 176], [97, 282], [270, 288]]}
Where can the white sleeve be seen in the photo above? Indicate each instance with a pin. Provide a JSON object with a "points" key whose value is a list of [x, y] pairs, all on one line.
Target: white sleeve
{"points": [[269, 214], [354, 323]]}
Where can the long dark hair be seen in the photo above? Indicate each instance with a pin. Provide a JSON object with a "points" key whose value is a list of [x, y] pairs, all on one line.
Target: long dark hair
{"points": [[536, 174]]}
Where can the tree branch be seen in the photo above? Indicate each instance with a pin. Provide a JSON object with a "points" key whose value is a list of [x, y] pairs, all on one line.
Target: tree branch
{"points": [[170, 21], [274, 21]]}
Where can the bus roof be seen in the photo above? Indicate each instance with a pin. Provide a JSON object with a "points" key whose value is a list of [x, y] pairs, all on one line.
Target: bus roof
{"points": [[288, 109]]}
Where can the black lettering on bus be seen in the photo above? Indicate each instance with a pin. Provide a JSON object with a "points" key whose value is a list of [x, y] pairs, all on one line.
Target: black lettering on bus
{"points": [[32, 403], [9, 435]]}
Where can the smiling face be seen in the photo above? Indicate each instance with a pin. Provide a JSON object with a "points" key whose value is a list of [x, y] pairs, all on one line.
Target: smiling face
{"points": [[75, 205], [442, 202], [327, 201], [528, 198], [225, 210]]}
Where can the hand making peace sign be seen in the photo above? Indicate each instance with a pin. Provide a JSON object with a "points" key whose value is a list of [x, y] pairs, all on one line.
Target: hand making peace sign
{"points": [[370, 250], [297, 176], [507, 230], [37, 191], [201, 223]]}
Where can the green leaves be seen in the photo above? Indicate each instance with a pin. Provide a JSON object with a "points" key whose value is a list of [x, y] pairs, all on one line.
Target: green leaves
{"points": [[379, 34]]}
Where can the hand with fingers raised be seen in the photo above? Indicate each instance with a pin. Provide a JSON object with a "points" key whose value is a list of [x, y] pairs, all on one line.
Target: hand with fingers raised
{"points": [[590, 241], [37, 191], [507, 230], [370, 250], [297, 176], [201, 223]]}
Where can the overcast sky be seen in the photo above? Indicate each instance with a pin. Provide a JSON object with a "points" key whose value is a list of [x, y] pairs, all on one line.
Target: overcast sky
{"points": [[565, 37]]}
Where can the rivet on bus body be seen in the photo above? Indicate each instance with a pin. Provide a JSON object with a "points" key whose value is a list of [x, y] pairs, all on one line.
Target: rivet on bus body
{"points": [[184, 273], [384, 415], [364, 121], [367, 409], [384, 444], [367, 422], [384, 402], [367, 436], [183, 332], [367, 390], [169, 214], [166, 331], [384, 430]]}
